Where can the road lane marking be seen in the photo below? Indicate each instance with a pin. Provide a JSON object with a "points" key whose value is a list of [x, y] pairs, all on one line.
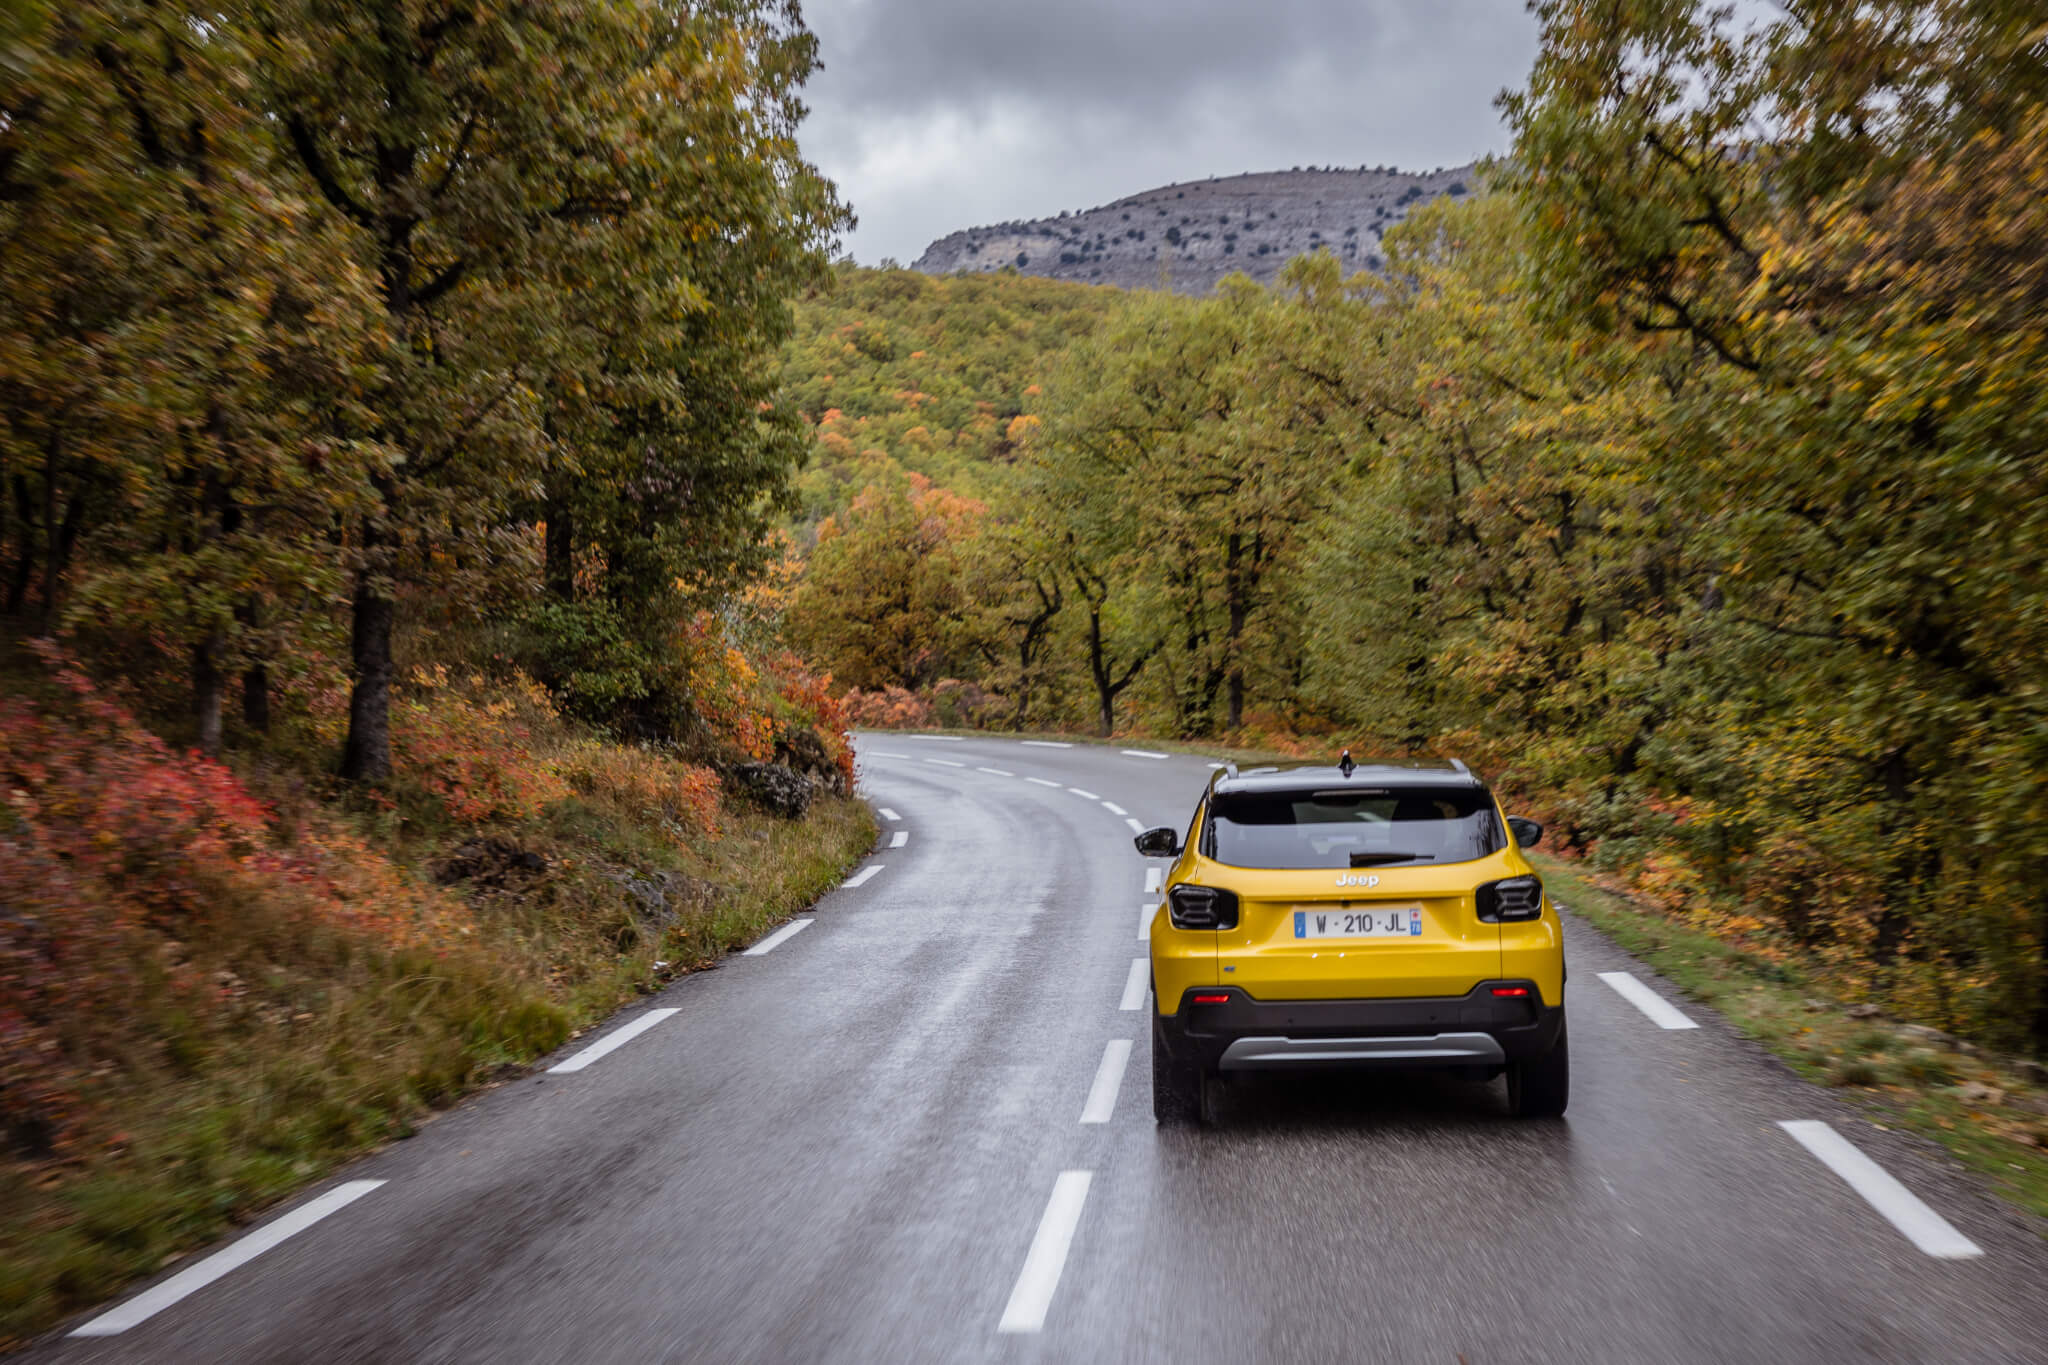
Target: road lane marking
{"points": [[945, 763], [778, 938], [1109, 1077], [1040, 1276], [1139, 753], [899, 838], [1661, 1012], [860, 878], [999, 772], [887, 814], [1145, 914], [1114, 809], [879, 753], [1219, 765], [1137, 826], [1923, 1227], [194, 1278], [937, 739], [1154, 878], [612, 1041], [1044, 744], [1087, 796], [1134, 986], [1042, 782]]}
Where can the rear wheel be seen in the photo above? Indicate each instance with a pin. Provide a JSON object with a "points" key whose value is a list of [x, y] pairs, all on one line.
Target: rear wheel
{"points": [[1539, 1087], [1176, 1086]]}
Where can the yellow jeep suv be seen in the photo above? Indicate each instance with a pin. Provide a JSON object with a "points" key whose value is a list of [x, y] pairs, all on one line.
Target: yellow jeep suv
{"points": [[1353, 915]]}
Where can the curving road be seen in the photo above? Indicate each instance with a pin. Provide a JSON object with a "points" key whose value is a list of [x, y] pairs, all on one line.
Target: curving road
{"points": [[898, 1133]]}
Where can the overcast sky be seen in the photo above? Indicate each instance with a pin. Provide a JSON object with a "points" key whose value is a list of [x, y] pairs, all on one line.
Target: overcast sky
{"points": [[936, 115]]}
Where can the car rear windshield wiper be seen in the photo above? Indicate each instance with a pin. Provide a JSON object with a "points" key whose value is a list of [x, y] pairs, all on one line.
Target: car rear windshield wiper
{"points": [[1375, 859]]}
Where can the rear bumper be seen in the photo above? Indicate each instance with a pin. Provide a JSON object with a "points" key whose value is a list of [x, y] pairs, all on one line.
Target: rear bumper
{"points": [[1477, 1029]]}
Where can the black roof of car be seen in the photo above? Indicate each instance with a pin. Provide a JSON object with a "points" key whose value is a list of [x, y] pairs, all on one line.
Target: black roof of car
{"points": [[1319, 776]]}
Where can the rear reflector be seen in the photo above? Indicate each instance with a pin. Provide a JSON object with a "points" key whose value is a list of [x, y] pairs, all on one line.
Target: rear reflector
{"points": [[1212, 1000], [1501, 990]]}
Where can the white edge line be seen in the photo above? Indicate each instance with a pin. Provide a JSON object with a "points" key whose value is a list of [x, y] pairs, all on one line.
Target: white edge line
{"points": [[1040, 1277], [999, 772], [899, 838], [1109, 1077], [887, 814], [859, 878], [1139, 753], [881, 753], [937, 739], [1906, 1211], [1114, 809], [612, 1041], [778, 938], [1154, 879], [1134, 986], [194, 1278], [1040, 781], [1137, 826], [1045, 744], [945, 763], [1084, 795], [1661, 1012]]}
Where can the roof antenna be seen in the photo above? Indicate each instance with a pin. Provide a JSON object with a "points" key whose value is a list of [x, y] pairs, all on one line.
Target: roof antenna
{"points": [[1345, 765]]}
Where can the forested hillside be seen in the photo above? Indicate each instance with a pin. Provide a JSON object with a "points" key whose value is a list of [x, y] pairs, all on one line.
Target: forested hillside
{"points": [[1691, 483]]}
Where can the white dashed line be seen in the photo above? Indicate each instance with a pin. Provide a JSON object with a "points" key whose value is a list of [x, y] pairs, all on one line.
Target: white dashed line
{"points": [[1923, 1227], [1219, 765], [1045, 744], [936, 739], [1140, 753], [1661, 1012], [1108, 1078], [888, 814], [779, 937], [1154, 879], [1085, 796], [194, 1278], [1145, 914], [1048, 1255], [945, 763], [999, 772], [612, 1041], [861, 877], [1134, 986], [1114, 809], [1137, 826], [1042, 782], [899, 838], [882, 754]]}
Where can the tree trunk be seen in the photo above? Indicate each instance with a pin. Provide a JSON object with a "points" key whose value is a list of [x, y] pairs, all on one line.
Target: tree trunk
{"points": [[367, 757], [25, 561], [256, 678], [1098, 667], [206, 690], [560, 575]]}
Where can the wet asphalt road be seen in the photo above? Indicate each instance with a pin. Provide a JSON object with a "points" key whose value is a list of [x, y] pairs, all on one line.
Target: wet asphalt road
{"points": [[842, 1150]]}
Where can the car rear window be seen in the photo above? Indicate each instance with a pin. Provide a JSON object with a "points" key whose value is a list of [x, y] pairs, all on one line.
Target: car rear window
{"points": [[1367, 827]]}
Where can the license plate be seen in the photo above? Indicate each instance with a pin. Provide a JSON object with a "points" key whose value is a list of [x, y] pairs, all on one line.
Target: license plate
{"points": [[1379, 921]]}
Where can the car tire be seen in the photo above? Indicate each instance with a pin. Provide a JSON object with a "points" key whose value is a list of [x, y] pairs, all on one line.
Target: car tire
{"points": [[1176, 1087], [1540, 1087]]}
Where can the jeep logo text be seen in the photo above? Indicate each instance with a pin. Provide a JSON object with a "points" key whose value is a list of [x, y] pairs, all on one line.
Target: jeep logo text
{"points": [[1350, 879]]}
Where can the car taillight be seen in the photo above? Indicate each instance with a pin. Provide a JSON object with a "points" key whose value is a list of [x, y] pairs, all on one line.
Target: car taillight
{"points": [[1201, 999], [1510, 899], [1201, 907], [1511, 990]]}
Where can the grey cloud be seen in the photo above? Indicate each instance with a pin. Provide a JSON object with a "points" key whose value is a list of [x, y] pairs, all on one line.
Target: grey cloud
{"points": [[935, 115]]}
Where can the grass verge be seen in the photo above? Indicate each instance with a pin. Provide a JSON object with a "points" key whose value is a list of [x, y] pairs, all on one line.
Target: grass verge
{"points": [[1988, 1111], [262, 1043]]}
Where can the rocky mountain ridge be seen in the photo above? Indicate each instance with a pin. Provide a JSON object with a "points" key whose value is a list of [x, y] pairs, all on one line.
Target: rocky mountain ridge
{"points": [[1186, 237]]}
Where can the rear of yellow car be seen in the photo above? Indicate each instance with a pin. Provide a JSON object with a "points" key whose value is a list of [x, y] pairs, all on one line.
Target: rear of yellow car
{"points": [[1359, 917]]}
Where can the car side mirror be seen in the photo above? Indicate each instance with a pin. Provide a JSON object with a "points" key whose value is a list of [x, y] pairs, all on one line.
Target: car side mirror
{"points": [[1527, 832], [1163, 842]]}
